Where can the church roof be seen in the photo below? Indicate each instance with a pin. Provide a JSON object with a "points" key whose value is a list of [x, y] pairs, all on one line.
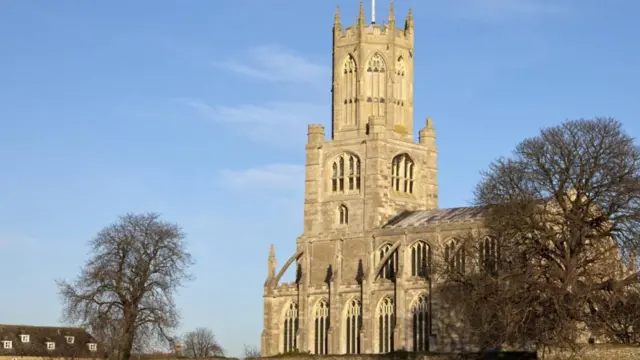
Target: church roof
{"points": [[408, 219]]}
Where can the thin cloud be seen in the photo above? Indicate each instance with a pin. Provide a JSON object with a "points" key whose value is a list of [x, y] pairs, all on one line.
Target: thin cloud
{"points": [[15, 242], [501, 10], [272, 177], [282, 124], [277, 64]]}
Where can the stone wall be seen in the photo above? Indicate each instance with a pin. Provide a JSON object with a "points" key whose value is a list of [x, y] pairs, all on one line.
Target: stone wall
{"points": [[596, 352], [590, 352]]}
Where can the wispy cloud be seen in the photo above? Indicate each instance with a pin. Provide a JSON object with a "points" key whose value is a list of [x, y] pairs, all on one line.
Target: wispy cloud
{"points": [[500, 10], [272, 176], [278, 123], [275, 63]]}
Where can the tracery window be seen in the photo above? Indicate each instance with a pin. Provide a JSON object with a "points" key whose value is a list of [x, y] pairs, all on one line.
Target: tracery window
{"points": [[376, 84], [321, 326], [455, 256], [489, 255], [386, 322], [345, 174], [353, 323], [420, 324], [420, 259], [400, 91], [390, 268], [349, 81], [290, 327], [343, 214], [402, 174]]}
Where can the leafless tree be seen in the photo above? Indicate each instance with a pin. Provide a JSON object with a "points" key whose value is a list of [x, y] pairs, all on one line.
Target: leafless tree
{"points": [[565, 209], [201, 343], [251, 352], [125, 291]]}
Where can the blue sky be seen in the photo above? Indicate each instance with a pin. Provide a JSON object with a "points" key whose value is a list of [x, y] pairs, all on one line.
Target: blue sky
{"points": [[198, 110]]}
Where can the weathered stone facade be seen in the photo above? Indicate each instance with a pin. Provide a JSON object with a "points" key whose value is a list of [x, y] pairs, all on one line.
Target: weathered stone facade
{"points": [[371, 208]]}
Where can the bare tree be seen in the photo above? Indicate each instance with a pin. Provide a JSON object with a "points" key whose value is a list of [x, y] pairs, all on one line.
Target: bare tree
{"points": [[565, 209], [251, 352], [124, 294], [201, 343]]}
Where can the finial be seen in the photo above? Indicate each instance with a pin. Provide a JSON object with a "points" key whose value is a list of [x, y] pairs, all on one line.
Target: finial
{"points": [[361, 14], [336, 17], [373, 11], [272, 251], [392, 16]]}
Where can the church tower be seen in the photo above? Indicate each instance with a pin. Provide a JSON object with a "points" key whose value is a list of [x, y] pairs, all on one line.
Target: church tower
{"points": [[367, 170], [371, 168]]}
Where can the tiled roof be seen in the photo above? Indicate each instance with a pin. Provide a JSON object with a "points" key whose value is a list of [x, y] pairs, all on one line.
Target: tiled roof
{"points": [[40, 335], [407, 219]]}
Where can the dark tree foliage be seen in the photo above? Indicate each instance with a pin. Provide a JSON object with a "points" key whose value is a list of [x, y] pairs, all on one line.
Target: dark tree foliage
{"points": [[201, 343], [125, 291], [565, 209]]}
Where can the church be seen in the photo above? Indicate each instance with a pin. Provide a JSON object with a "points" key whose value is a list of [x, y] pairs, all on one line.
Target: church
{"points": [[371, 214]]}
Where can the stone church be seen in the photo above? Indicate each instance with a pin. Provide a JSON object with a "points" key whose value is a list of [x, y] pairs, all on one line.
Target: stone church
{"points": [[371, 214]]}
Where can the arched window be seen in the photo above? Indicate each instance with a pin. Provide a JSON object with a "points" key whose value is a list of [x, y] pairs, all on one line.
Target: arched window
{"points": [[420, 259], [345, 174], [343, 214], [455, 256], [489, 255], [349, 81], [420, 323], [385, 315], [402, 172], [321, 326], [400, 91], [376, 84], [353, 323], [391, 266], [290, 327]]}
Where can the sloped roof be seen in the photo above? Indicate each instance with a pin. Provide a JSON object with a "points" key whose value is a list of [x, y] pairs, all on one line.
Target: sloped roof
{"points": [[40, 335], [408, 219]]}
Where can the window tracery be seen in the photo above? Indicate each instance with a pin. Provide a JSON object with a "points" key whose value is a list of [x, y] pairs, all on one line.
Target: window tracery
{"points": [[290, 328], [489, 255], [376, 84], [420, 259], [321, 327], [352, 326], [345, 174], [420, 324], [349, 82], [386, 322], [455, 256], [390, 268], [402, 174]]}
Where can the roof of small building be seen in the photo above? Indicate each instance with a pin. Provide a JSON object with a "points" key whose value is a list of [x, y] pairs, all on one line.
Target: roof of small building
{"points": [[407, 219], [40, 335]]}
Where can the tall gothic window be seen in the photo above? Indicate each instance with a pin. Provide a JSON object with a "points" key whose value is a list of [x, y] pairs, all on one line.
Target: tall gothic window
{"points": [[455, 256], [420, 259], [390, 268], [402, 172], [349, 81], [376, 84], [353, 323], [420, 323], [290, 327], [345, 174], [343, 214], [385, 315], [321, 326], [489, 255], [400, 91]]}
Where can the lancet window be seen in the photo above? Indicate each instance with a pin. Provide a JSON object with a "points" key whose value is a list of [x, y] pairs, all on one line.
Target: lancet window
{"points": [[353, 323], [489, 255], [400, 90], [290, 328], [455, 256], [390, 268], [385, 315], [349, 81], [321, 327], [376, 84], [420, 259], [420, 324]]}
